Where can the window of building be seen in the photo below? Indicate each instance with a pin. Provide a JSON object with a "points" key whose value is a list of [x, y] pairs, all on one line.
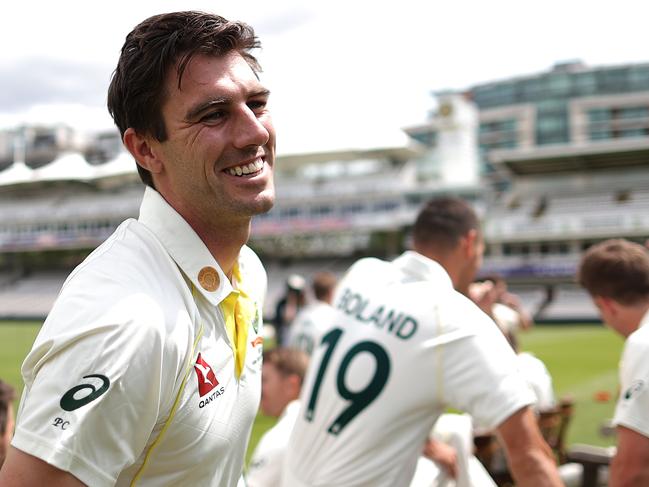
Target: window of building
{"points": [[629, 133], [531, 90], [385, 206], [322, 210], [632, 112], [639, 78], [599, 115], [290, 212], [352, 208], [429, 139], [584, 84], [551, 129], [558, 85], [613, 80], [599, 134]]}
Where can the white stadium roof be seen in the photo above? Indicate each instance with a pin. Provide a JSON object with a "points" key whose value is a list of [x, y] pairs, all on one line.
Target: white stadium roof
{"points": [[69, 166]]}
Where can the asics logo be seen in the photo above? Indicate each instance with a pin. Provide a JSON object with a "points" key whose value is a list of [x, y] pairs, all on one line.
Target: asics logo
{"points": [[71, 400]]}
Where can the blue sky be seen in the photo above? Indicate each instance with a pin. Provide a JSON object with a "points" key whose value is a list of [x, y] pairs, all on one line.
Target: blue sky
{"points": [[343, 73]]}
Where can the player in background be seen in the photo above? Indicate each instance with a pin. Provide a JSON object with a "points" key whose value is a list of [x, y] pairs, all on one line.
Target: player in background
{"points": [[148, 368], [405, 344], [288, 306], [448, 458], [504, 307], [7, 395], [308, 326], [616, 274], [281, 381]]}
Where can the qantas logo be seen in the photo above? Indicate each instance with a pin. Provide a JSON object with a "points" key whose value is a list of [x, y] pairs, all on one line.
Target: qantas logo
{"points": [[206, 378]]}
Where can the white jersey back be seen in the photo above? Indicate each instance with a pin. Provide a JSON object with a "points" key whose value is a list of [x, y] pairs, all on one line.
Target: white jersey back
{"points": [[403, 347], [309, 326]]}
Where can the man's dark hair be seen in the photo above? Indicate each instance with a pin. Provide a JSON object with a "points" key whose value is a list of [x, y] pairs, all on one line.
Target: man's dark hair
{"points": [[287, 361], [323, 285], [616, 269], [137, 88], [442, 222], [7, 395]]}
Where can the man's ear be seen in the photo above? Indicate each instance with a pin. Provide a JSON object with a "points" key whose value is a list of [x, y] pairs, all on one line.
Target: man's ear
{"points": [[468, 243], [294, 385], [606, 305], [142, 149]]}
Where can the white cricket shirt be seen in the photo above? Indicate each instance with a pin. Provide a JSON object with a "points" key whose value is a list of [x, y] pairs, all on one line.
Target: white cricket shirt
{"points": [[309, 325], [132, 375], [265, 468], [404, 346], [632, 410], [538, 377]]}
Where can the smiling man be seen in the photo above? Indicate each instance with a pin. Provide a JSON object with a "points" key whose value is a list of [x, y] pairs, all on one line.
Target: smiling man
{"points": [[148, 368]]}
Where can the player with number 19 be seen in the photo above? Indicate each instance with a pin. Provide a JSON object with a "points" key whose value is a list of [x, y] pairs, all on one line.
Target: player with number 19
{"points": [[403, 346]]}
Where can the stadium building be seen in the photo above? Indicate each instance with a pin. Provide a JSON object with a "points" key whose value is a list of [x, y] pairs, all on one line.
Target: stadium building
{"points": [[567, 152], [552, 162]]}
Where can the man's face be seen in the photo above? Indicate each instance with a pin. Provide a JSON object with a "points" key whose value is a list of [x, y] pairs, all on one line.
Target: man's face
{"points": [[275, 390], [219, 155], [612, 315]]}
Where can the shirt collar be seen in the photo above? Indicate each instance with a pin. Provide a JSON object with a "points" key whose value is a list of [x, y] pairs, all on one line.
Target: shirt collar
{"points": [[423, 268], [645, 320], [291, 409], [182, 244]]}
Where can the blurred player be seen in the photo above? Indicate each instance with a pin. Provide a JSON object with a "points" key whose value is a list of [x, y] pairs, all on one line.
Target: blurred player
{"points": [[616, 274], [7, 395], [405, 346], [148, 368], [281, 381], [288, 306], [310, 323], [448, 459], [504, 307]]}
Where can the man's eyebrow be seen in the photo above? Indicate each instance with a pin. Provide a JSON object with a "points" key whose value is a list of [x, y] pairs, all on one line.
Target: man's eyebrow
{"points": [[196, 110], [260, 92], [219, 102]]}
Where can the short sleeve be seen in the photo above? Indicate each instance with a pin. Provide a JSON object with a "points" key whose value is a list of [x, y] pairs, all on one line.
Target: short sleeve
{"points": [[480, 373], [633, 404], [94, 389]]}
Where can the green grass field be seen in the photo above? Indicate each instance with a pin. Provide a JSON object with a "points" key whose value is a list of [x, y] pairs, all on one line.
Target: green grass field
{"points": [[582, 360]]}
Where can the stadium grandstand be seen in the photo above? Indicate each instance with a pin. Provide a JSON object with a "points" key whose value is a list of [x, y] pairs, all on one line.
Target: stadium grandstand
{"points": [[553, 162]]}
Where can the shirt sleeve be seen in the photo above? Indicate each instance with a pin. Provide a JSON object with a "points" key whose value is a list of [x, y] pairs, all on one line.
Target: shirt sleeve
{"points": [[479, 368], [633, 404], [96, 386]]}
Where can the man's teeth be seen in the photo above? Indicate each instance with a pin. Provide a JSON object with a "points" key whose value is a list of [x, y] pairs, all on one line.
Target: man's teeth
{"points": [[247, 168]]}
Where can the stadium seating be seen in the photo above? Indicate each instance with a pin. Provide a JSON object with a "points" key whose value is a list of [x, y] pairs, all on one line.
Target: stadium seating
{"points": [[31, 297]]}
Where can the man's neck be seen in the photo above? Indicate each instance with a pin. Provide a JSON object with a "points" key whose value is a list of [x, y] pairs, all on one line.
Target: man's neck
{"points": [[635, 316], [225, 243]]}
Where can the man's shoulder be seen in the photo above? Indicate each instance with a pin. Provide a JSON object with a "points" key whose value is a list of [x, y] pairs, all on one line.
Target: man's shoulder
{"points": [[130, 254], [130, 274], [366, 265]]}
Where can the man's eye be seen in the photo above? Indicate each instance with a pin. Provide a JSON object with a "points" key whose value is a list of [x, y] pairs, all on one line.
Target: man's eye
{"points": [[257, 105], [212, 116]]}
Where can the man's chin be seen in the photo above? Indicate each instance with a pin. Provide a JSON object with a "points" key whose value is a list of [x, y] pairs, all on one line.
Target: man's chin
{"points": [[264, 204]]}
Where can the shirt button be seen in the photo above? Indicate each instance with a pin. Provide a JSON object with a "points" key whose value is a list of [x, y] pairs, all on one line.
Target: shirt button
{"points": [[208, 278]]}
